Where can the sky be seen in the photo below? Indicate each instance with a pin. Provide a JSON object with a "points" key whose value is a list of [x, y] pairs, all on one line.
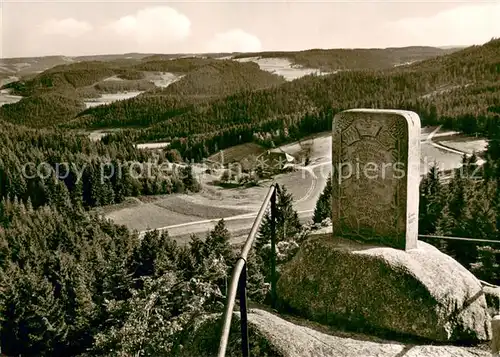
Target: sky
{"points": [[72, 28]]}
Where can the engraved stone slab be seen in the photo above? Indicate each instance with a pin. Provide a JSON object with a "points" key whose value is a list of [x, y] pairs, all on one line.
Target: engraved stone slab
{"points": [[376, 175]]}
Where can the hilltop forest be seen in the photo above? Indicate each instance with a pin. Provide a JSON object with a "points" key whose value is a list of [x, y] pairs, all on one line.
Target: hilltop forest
{"points": [[76, 284]]}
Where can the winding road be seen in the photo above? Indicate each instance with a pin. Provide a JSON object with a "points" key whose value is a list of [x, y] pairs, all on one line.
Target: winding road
{"points": [[240, 225]]}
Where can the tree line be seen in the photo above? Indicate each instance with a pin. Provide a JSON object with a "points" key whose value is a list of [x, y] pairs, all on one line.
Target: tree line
{"points": [[45, 167]]}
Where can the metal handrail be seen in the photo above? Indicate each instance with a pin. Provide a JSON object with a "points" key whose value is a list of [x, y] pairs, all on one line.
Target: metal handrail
{"points": [[459, 238], [239, 276]]}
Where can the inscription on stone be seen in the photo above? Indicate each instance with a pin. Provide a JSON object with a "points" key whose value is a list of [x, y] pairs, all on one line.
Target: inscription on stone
{"points": [[376, 170]]}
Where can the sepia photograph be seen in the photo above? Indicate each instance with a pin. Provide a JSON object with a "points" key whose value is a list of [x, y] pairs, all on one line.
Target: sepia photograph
{"points": [[265, 178]]}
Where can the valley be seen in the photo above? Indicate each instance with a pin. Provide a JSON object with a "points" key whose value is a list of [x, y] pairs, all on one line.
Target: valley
{"points": [[115, 172], [305, 184]]}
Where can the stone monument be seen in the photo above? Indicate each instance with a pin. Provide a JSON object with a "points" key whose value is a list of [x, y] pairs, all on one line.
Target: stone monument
{"points": [[376, 175]]}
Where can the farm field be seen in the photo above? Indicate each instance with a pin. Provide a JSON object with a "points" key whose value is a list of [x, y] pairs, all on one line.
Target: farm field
{"points": [[466, 145], [445, 159], [7, 98], [162, 79], [177, 205], [237, 153], [282, 67], [147, 216], [109, 98]]}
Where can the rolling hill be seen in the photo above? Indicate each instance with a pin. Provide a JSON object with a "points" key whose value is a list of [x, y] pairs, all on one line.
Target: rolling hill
{"points": [[163, 63], [434, 88], [41, 110], [325, 59], [66, 78], [221, 78], [354, 59], [217, 97], [214, 80]]}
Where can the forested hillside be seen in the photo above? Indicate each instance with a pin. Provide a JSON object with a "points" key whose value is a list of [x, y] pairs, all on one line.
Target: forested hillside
{"points": [[201, 85], [222, 78], [174, 65], [219, 103], [42, 110], [65, 78], [455, 90], [343, 59]]}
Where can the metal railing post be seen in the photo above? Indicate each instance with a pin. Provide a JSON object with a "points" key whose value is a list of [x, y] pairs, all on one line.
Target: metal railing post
{"points": [[237, 282], [273, 248], [242, 288]]}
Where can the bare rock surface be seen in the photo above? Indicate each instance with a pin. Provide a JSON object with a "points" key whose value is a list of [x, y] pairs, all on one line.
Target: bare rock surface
{"points": [[271, 335], [421, 292], [492, 295]]}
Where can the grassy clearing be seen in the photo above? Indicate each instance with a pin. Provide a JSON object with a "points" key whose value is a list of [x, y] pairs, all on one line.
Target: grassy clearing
{"points": [[180, 206], [129, 202], [237, 153], [148, 216]]}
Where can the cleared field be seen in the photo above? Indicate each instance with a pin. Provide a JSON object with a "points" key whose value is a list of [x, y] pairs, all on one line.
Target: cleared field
{"points": [[181, 206], [7, 98], [282, 67], [163, 79], [466, 145], [148, 216], [110, 97], [320, 147], [237, 153], [129, 202], [446, 160], [298, 183]]}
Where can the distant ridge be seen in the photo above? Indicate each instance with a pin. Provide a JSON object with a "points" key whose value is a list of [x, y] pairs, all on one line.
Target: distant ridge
{"points": [[452, 47]]}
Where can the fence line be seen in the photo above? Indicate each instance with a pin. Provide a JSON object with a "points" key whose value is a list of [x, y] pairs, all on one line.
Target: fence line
{"points": [[459, 238]]}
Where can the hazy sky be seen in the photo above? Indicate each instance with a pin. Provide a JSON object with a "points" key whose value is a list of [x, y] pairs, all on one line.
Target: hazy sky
{"points": [[30, 28]]}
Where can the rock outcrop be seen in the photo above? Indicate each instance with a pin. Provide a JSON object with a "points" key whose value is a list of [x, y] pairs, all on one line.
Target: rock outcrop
{"points": [[420, 292], [492, 295], [273, 336]]}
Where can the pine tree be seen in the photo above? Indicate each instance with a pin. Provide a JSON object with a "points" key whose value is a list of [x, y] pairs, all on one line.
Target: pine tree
{"points": [[218, 242], [431, 202], [190, 182], [323, 207], [33, 318], [457, 199], [76, 195], [487, 267], [287, 220]]}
